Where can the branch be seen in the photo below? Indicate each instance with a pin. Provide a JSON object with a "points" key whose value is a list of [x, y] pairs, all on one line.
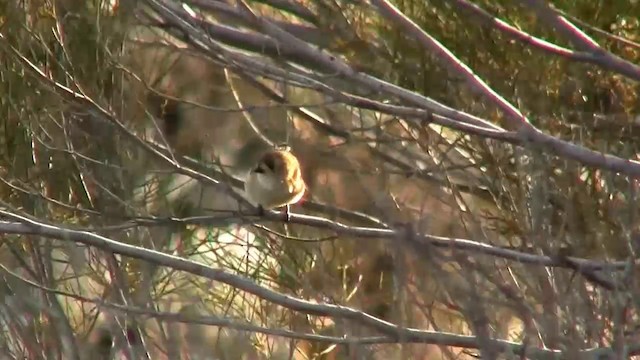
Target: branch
{"points": [[33, 227], [232, 16], [526, 132], [597, 30], [388, 10], [582, 41], [481, 15], [558, 146], [392, 331], [203, 320], [445, 116], [326, 62], [357, 232]]}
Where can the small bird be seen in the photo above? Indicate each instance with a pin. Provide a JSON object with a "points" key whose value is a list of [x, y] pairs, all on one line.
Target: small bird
{"points": [[275, 181]]}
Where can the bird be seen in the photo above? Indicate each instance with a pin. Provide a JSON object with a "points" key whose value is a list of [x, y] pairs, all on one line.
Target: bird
{"points": [[275, 181]]}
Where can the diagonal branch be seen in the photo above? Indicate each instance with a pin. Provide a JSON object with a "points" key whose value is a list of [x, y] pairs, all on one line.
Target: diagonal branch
{"points": [[330, 64], [526, 133], [481, 15], [582, 41], [516, 119]]}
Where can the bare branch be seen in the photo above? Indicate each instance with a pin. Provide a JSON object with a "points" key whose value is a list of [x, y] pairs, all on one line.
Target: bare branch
{"points": [[28, 226], [516, 119], [526, 131], [486, 18], [582, 41]]}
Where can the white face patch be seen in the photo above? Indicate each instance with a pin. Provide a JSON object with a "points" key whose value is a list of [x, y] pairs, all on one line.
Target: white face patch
{"points": [[266, 181]]}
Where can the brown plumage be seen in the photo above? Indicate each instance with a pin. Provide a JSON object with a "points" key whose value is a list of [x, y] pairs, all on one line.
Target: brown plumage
{"points": [[275, 181]]}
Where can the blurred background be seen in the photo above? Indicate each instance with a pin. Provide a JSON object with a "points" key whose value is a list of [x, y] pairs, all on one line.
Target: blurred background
{"points": [[138, 120]]}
